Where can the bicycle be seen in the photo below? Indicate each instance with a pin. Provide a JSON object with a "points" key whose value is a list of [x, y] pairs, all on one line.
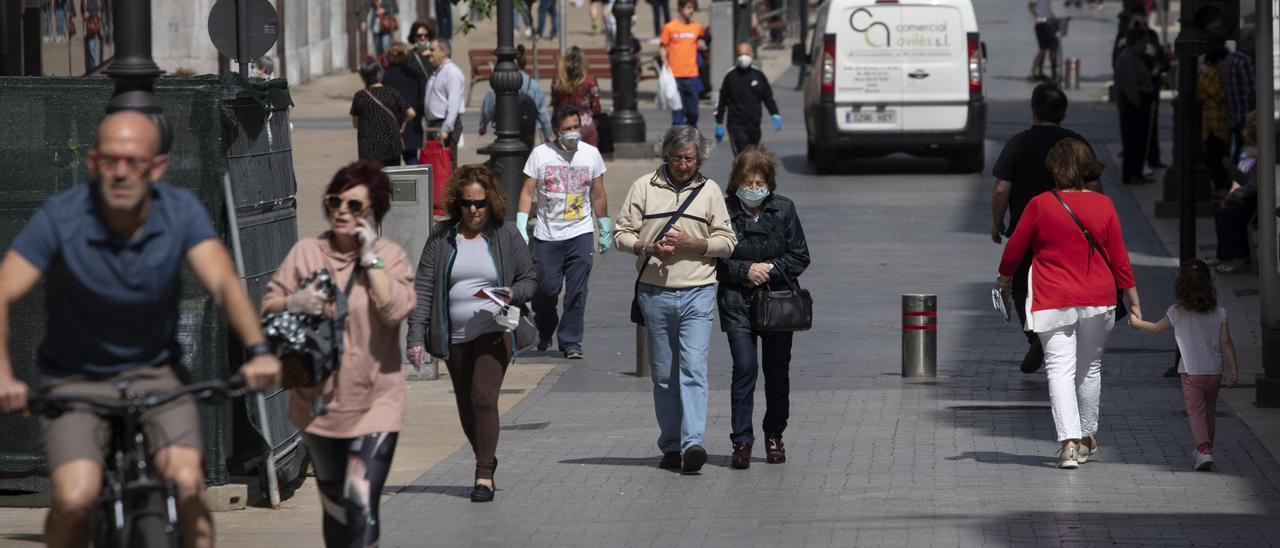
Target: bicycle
{"points": [[136, 508]]}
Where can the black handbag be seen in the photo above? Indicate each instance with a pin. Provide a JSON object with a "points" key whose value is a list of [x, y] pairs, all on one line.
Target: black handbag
{"points": [[1121, 310], [310, 346], [637, 316], [789, 309]]}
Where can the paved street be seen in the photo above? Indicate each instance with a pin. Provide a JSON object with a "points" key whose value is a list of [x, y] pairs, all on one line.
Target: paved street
{"points": [[965, 459]]}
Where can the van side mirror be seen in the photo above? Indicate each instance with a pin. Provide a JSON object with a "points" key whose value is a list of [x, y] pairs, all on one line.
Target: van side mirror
{"points": [[799, 55]]}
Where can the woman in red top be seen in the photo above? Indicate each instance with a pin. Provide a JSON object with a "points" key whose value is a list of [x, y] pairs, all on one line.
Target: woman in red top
{"points": [[575, 88], [1071, 291]]}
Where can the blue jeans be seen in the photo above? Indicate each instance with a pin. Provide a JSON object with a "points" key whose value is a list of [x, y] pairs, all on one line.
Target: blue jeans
{"points": [[564, 264], [547, 8], [688, 113], [678, 325], [444, 19], [661, 14], [777, 382]]}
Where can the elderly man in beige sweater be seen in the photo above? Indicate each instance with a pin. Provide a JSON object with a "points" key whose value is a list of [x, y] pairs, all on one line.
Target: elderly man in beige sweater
{"points": [[675, 220]]}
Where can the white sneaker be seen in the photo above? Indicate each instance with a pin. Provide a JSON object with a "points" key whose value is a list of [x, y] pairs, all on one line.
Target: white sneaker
{"points": [[1204, 461], [1084, 451], [1067, 457]]}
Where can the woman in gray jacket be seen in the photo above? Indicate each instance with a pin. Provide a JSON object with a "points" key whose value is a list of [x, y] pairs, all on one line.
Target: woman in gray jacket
{"points": [[472, 268]]}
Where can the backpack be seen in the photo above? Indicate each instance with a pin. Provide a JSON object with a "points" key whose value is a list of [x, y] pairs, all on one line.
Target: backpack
{"points": [[528, 114]]}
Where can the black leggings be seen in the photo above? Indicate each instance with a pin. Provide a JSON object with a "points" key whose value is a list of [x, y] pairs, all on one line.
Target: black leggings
{"points": [[350, 473]]}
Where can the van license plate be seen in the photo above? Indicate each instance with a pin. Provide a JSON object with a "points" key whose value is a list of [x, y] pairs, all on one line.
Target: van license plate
{"points": [[871, 117]]}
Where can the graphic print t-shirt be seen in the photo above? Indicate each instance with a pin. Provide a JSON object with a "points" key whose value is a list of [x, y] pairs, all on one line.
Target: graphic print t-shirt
{"points": [[563, 181]]}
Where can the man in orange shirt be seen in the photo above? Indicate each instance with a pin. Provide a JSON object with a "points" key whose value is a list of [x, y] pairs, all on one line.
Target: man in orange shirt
{"points": [[682, 39]]}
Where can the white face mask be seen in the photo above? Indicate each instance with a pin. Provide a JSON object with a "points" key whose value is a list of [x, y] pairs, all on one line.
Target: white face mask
{"points": [[744, 61], [569, 139]]}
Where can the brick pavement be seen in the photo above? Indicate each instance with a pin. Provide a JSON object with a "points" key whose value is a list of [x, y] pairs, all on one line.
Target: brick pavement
{"points": [[966, 459]]}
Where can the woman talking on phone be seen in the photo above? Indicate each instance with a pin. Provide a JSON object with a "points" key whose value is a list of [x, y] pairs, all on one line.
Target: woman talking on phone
{"points": [[352, 442], [473, 268]]}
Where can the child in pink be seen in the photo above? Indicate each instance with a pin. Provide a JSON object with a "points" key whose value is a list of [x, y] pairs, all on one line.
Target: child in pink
{"points": [[1204, 342]]}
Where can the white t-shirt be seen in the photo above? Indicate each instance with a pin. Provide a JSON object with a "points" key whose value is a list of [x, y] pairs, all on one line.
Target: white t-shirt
{"points": [[1198, 339], [563, 181]]}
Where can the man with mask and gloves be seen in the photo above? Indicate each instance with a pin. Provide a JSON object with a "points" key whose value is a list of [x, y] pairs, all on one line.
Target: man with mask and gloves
{"points": [[741, 94], [566, 177]]}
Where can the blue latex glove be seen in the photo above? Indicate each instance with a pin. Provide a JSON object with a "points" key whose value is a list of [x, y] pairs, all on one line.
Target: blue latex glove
{"points": [[719, 132], [777, 122], [606, 234], [522, 225]]}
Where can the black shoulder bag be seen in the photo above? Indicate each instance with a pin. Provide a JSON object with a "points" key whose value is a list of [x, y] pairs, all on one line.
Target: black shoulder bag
{"points": [[637, 317], [1121, 310], [789, 309], [310, 346]]}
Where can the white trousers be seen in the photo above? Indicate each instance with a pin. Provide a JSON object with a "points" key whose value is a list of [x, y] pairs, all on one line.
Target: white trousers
{"points": [[1073, 363]]}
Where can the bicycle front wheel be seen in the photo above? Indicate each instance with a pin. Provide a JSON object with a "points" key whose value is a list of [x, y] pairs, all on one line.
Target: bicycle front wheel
{"points": [[150, 523]]}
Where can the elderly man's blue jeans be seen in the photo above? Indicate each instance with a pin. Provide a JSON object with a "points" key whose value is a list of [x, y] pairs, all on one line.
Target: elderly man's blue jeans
{"points": [[678, 325]]}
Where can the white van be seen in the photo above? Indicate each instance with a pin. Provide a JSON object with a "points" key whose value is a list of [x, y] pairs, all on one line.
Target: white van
{"points": [[896, 76]]}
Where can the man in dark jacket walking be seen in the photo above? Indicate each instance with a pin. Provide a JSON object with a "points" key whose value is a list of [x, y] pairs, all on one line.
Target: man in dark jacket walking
{"points": [[741, 94], [1135, 93]]}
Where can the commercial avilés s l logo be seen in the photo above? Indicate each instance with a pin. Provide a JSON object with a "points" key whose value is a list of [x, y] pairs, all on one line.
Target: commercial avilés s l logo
{"points": [[864, 23]]}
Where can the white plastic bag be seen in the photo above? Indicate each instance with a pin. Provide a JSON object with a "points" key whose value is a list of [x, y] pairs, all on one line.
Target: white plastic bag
{"points": [[668, 93]]}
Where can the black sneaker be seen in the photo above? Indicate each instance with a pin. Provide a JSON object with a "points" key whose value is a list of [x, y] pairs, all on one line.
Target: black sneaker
{"points": [[574, 354], [543, 345], [670, 461], [694, 457], [1033, 360]]}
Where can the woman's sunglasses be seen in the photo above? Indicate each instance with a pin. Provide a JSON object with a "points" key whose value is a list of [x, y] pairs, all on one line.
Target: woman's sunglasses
{"points": [[333, 202], [478, 204]]}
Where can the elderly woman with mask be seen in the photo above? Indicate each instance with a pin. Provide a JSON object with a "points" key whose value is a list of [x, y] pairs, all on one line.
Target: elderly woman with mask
{"points": [[675, 220]]}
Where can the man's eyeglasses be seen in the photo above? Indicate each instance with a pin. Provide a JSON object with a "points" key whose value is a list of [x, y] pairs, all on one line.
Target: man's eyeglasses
{"points": [[134, 165], [478, 204], [679, 160], [334, 202]]}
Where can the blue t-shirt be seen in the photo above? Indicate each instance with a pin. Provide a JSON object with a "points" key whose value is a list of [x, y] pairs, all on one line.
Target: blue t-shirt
{"points": [[112, 304]]}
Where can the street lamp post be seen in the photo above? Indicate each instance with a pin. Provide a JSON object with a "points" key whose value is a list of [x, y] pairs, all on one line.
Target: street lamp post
{"points": [[507, 153], [133, 69], [625, 121]]}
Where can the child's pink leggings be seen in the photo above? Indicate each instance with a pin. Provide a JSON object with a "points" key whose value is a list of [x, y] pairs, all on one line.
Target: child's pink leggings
{"points": [[1200, 393]]}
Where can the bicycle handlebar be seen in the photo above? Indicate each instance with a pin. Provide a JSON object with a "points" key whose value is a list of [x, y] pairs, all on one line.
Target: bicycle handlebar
{"points": [[51, 405]]}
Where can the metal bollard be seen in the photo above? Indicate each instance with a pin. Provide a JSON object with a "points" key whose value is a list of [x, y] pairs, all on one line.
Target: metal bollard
{"points": [[1072, 67], [642, 353], [919, 336]]}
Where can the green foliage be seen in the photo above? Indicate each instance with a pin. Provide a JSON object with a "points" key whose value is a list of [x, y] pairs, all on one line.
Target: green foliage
{"points": [[481, 10]]}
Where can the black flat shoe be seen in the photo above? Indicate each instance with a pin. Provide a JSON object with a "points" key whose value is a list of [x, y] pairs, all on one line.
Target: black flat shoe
{"points": [[670, 461], [481, 493]]}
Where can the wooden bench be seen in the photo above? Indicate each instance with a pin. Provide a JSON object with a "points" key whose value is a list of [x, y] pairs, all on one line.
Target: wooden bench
{"points": [[599, 65]]}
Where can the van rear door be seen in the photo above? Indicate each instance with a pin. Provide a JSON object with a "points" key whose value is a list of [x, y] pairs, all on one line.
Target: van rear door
{"points": [[869, 76], [933, 48]]}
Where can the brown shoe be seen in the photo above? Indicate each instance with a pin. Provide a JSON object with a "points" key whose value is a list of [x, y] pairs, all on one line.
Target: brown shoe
{"points": [[741, 456], [670, 461], [774, 451]]}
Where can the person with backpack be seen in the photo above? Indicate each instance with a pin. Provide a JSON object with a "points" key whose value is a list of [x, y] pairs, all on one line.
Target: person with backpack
{"points": [[352, 441], [566, 180], [532, 104]]}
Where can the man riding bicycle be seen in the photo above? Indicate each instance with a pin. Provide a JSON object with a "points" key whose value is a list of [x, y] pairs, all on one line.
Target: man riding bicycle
{"points": [[111, 254]]}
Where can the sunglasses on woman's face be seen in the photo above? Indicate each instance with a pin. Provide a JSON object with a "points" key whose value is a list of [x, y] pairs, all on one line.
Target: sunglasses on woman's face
{"points": [[333, 202], [422, 36], [478, 204]]}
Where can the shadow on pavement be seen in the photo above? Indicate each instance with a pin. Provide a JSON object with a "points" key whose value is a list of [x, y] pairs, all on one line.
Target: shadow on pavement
{"points": [[893, 164], [1000, 457], [460, 491]]}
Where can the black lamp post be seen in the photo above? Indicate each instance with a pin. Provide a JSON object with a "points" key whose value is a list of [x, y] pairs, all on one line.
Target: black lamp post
{"points": [[133, 69], [507, 153], [625, 121]]}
